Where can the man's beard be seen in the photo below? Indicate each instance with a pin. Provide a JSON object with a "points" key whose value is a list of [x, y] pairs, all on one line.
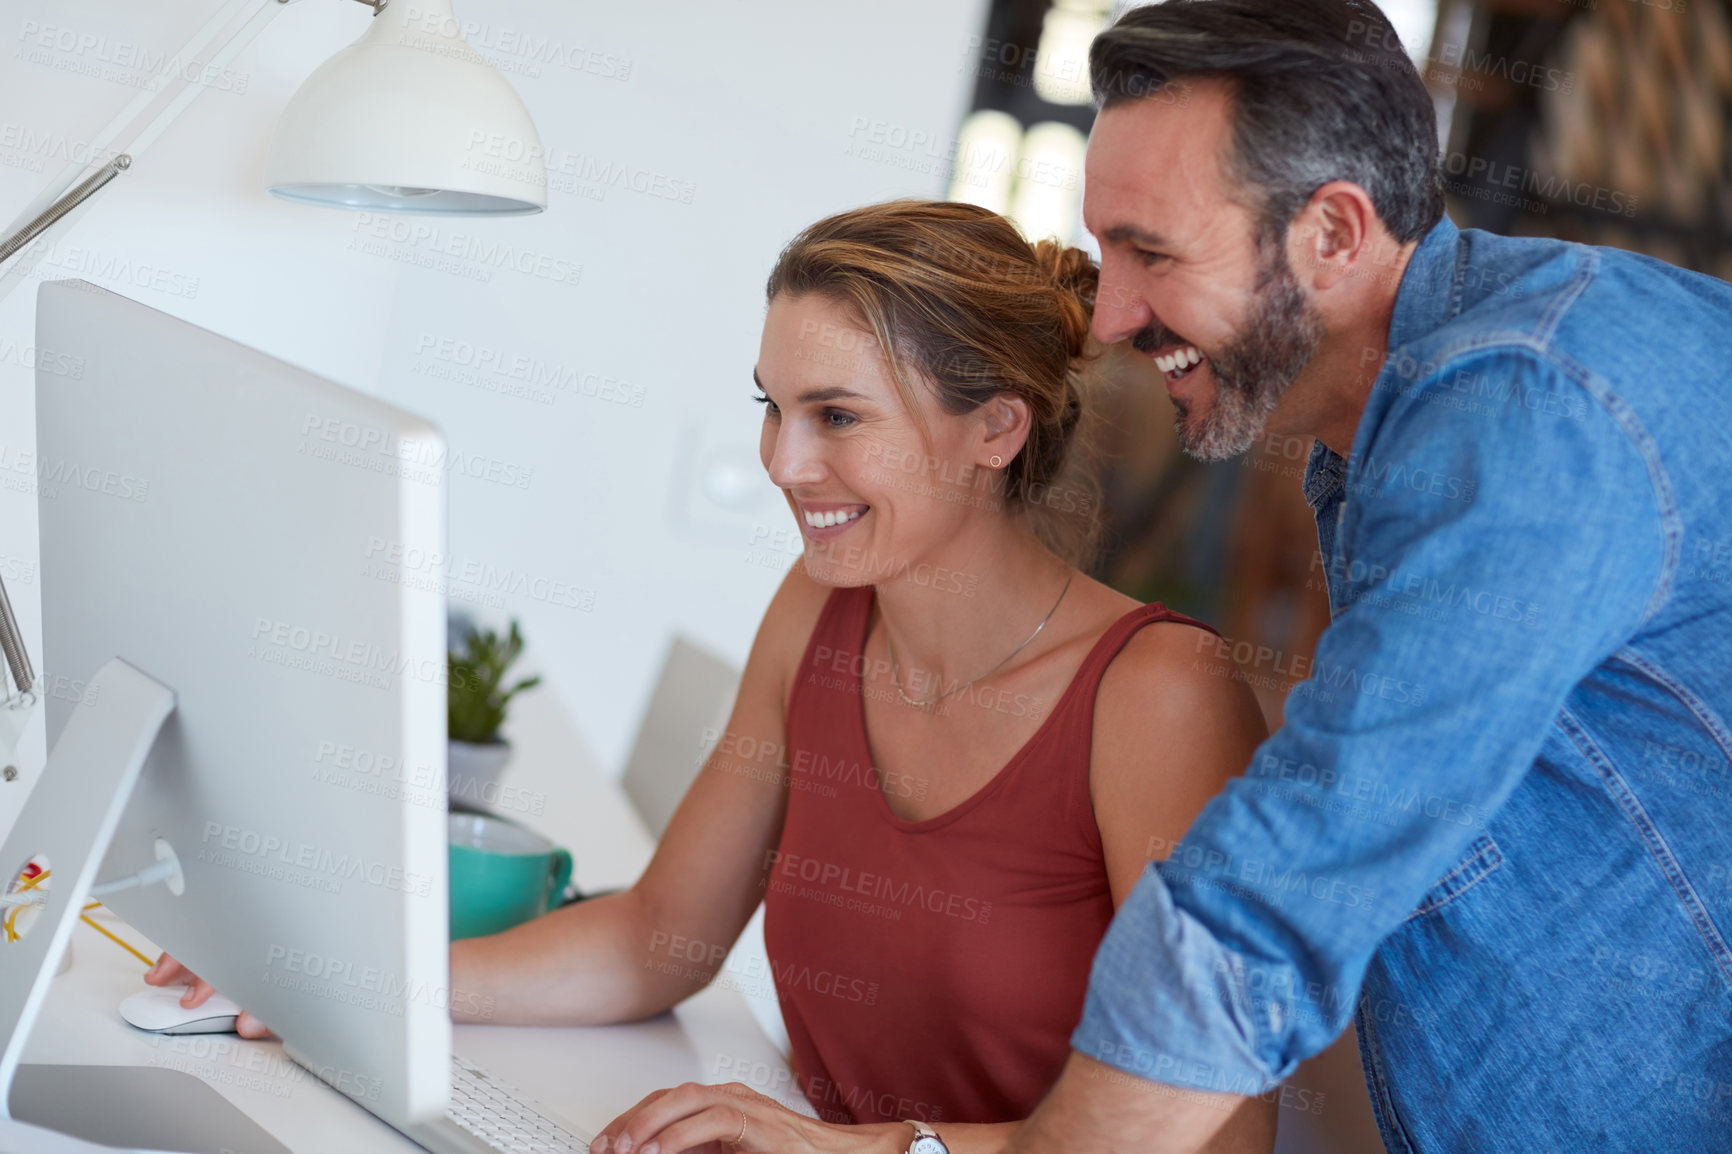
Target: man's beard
{"points": [[1254, 369]]}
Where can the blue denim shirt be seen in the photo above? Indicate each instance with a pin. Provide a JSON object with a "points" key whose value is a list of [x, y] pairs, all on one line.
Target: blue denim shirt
{"points": [[1495, 829]]}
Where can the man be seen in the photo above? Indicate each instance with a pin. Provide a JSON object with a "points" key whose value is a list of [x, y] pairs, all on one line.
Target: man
{"points": [[1493, 831]]}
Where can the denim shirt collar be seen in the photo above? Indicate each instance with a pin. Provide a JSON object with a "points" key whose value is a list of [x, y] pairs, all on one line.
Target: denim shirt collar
{"points": [[1427, 298], [1325, 472]]}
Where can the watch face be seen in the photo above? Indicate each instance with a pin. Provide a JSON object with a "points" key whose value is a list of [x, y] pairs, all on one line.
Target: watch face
{"points": [[928, 1146]]}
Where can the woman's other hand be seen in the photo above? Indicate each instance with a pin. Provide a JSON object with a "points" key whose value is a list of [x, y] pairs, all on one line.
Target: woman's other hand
{"points": [[168, 972], [698, 1119]]}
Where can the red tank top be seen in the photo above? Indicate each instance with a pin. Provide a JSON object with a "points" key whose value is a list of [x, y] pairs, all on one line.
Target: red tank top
{"points": [[933, 969]]}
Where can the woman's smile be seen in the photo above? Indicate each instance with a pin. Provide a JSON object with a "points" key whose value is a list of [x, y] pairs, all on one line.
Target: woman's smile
{"points": [[825, 521]]}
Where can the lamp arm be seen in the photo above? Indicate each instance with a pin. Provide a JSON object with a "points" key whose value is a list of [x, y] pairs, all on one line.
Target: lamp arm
{"points": [[12, 644], [71, 200], [15, 709], [130, 133]]}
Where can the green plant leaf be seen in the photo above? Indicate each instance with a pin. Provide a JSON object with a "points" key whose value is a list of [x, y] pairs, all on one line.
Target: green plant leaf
{"points": [[475, 695]]}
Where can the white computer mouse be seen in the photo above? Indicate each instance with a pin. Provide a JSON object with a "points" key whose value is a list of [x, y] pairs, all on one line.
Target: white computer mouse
{"points": [[158, 1009]]}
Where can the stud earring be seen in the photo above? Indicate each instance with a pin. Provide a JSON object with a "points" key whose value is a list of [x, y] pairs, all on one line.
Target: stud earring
{"points": [[996, 461]]}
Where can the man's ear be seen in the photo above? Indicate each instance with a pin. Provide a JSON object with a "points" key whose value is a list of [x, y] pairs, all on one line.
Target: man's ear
{"points": [[1005, 422], [1332, 237]]}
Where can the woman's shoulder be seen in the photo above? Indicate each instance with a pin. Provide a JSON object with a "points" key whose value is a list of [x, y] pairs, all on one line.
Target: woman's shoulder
{"points": [[793, 614], [1169, 668], [1158, 637], [1172, 724]]}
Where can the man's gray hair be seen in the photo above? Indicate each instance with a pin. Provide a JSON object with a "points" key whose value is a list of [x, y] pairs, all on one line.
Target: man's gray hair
{"points": [[1322, 90]]}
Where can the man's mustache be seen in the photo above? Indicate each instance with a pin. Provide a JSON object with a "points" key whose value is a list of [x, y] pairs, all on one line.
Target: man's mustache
{"points": [[1155, 336]]}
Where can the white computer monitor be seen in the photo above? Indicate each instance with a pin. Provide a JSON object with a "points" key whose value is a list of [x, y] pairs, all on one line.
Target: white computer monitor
{"points": [[224, 522]]}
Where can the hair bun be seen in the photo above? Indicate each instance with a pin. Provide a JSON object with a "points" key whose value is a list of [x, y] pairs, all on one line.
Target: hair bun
{"points": [[1076, 277]]}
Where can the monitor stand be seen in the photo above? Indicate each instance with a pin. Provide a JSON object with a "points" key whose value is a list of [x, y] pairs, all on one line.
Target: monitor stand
{"points": [[69, 819], [134, 1107]]}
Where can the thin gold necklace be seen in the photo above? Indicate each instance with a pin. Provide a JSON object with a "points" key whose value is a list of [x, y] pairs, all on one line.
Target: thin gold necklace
{"points": [[907, 700]]}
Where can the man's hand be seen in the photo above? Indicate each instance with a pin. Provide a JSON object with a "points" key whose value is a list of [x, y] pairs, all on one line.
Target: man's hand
{"points": [[168, 972], [1096, 1109]]}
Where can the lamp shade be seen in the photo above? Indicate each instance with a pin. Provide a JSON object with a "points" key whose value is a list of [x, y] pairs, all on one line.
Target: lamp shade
{"points": [[409, 118]]}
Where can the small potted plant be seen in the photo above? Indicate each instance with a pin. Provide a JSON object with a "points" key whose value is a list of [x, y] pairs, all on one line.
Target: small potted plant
{"points": [[475, 710]]}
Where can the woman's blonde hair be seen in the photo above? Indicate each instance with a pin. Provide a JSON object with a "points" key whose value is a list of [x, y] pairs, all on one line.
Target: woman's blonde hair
{"points": [[954, 291]]}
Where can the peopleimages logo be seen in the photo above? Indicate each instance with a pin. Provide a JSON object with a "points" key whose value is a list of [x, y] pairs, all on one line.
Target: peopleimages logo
{"points": [[481, 255], [689, 958], [236, 1062], [1388, 797], [387, 775], [46, 476], [41, 145], [370, 987], [112, 268], [382, 451], [529, 160], [832, 876], [1383, 587], [832, 1102], [1379, 477], [28, 356], [530, 47], [388, 560], [254, 852], [1482, 172], [120, 61], [1256, 879], [353, 659], [529, 371]]}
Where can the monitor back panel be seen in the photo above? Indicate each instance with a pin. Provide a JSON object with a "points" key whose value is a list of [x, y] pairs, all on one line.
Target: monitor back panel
{"points": [[250, 535]]}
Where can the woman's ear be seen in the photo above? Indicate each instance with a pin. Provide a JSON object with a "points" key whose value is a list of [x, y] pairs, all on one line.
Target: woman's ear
{"points": [[1005, 423]]}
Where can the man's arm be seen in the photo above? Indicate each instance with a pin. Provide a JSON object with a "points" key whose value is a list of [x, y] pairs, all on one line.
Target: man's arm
{"points": [[1498, 556], [1100, 1109]]}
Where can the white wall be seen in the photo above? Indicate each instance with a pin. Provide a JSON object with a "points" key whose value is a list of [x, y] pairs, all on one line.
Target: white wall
{"points": [[753, 111]]}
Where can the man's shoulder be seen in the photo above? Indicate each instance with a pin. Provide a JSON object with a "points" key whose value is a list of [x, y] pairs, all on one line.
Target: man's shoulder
{"points": [[1545, 341], [1514, 284], [1582, 309], [1476, 386]]}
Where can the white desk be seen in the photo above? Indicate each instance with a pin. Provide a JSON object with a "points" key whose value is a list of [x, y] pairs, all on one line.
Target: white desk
{"points": [[587, 1076]]}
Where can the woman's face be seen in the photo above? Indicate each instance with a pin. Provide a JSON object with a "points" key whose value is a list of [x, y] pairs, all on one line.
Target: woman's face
{"points": [[875, 500]]}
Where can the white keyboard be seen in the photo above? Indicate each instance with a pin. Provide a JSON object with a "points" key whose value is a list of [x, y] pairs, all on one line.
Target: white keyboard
{"points": [[502, 1118]]}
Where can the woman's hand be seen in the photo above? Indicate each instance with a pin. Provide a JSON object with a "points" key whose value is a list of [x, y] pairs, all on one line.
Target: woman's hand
{"points": [[724, 1119], [168, 972]]}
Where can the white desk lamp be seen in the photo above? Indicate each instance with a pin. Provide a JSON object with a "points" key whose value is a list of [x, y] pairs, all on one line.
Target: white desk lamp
{"points": [[409, 119]]}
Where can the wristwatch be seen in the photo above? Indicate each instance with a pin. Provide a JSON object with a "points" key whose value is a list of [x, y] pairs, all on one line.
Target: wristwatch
{"points": [[926, 1139]]}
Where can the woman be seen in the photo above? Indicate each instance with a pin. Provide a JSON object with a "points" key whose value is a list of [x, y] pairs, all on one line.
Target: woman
{"points": [[952, 751]]}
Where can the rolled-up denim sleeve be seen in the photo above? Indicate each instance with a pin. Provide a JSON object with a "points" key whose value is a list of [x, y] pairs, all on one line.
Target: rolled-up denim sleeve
{"points": [[1494, 555]]}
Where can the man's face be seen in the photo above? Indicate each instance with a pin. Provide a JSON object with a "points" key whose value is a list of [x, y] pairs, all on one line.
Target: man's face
{"points": [[1182, 275]]}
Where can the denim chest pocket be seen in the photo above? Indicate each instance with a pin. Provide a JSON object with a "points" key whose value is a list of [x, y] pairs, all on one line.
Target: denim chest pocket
{"points": [[1481, 859]]}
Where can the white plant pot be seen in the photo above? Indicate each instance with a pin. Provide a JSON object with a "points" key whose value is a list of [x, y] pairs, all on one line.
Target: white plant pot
{"points": [[473, 772]]}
